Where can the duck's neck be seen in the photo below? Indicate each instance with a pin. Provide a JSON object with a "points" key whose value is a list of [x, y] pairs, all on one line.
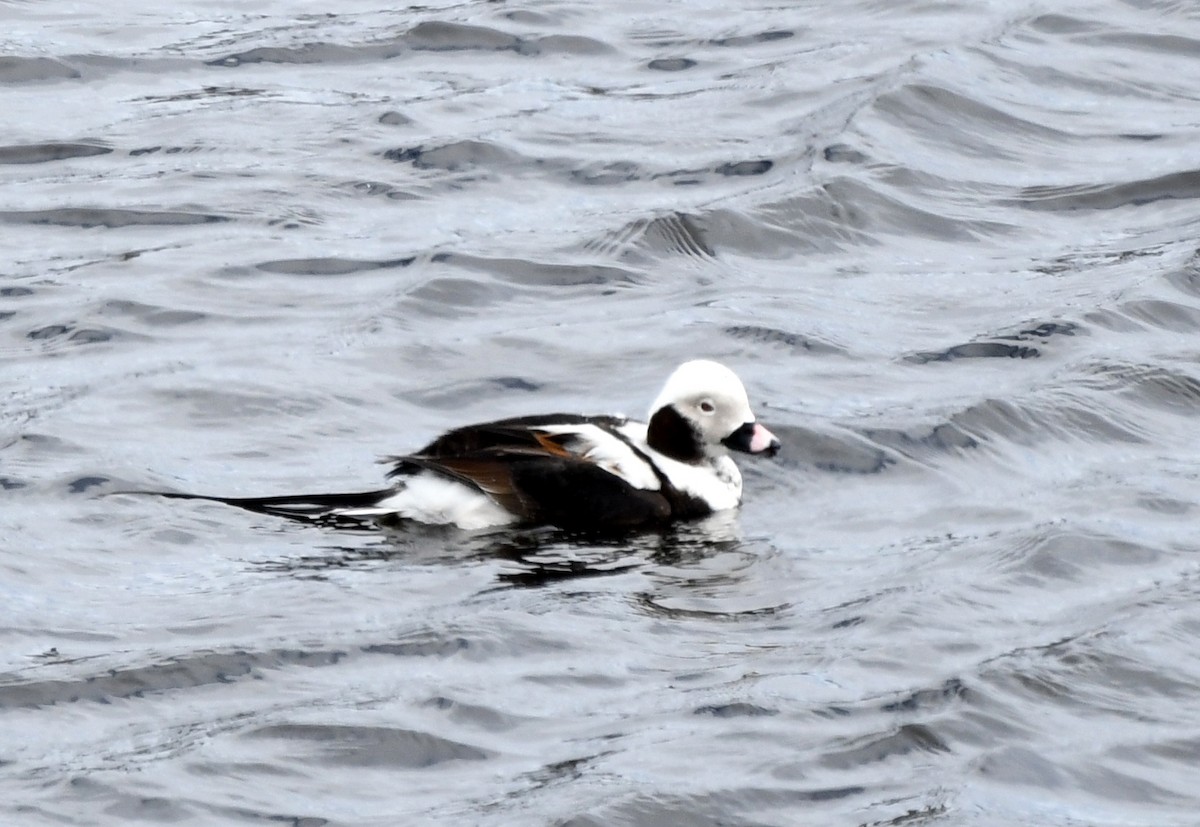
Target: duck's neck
{"points": [[671, 435]]}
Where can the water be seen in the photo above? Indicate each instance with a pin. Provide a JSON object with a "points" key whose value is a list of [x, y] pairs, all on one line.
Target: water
{"points": [[949, 246]]}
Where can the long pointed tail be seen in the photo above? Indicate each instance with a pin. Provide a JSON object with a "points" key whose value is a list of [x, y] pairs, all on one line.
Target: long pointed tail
{"points": [[303, 507]]}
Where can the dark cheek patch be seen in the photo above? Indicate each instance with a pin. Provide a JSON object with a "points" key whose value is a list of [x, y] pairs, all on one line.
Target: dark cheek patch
{"points": [[673, 436]]}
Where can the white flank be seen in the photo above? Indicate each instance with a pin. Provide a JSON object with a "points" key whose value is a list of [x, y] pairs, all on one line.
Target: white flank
{"points": [[431, 498]]}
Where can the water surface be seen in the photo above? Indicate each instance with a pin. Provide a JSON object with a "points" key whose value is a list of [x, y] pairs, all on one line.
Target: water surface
{"points": [[950, 247]]}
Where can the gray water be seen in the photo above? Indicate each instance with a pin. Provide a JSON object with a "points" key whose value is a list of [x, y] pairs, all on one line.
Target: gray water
{"points": [[950, 247]]}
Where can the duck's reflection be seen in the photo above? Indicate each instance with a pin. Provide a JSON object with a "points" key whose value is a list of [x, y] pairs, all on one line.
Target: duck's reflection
{"points": [[700, 568]]}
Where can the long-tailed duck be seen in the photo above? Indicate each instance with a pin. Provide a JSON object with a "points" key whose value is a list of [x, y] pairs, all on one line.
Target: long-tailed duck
{"points": [[567, 470]]}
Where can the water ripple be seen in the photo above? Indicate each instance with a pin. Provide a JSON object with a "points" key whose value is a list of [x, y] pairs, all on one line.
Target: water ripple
{"points": [[949, 247]]}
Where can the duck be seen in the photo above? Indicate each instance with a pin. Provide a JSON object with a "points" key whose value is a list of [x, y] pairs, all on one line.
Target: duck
{"points": [[571, 471]]}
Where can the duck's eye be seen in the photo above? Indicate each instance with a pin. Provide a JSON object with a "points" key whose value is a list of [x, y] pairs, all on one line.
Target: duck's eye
{"points": [[706, 406]]}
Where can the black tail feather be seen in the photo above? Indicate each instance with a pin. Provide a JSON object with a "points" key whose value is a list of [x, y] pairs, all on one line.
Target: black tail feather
{"points": [[305, 507]]}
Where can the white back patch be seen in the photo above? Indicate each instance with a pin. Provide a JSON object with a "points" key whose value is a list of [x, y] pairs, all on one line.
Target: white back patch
{"points": [[611, 452]]}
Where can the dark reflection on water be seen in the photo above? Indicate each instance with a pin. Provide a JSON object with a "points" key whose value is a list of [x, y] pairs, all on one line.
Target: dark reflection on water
{"points": [[950, 247], [532, 557]]}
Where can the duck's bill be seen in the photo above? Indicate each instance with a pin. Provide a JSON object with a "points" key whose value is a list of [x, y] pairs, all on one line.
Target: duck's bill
{"points": [[753, 438]]}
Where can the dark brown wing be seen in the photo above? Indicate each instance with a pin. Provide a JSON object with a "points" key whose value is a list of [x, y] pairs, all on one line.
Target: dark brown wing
{"points": [[538, 476], [516, 432]]}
